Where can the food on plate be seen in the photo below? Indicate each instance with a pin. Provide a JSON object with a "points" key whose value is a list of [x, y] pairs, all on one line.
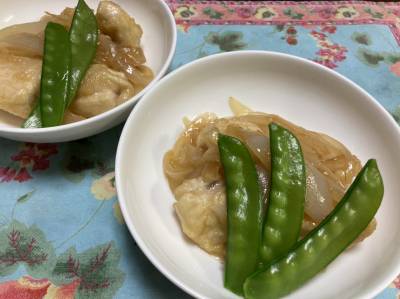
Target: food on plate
{"points": [[245, 212], [315, 251], [194, 172], [64, 68], [54, 84], [277, 201], [105, 67], [285, 212]]}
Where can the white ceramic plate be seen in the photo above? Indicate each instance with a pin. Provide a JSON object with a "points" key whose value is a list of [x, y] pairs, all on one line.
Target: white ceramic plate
{"points": [[158, 42], [303, 92]]}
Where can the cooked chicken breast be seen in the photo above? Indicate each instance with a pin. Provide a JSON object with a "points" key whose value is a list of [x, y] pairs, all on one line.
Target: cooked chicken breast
{"points": [[19, 82]]}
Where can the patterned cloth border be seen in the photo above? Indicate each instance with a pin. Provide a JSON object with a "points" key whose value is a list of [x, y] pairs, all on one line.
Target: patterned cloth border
{"points": [[277, 13]]}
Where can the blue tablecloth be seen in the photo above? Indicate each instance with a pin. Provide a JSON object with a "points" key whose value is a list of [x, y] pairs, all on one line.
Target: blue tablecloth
{"points": [[61, 230]]}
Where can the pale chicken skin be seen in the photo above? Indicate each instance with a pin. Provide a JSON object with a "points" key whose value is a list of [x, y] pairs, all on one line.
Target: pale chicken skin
{"points": [[201, 209], [115, 22], [19, 81], [102, 89]]}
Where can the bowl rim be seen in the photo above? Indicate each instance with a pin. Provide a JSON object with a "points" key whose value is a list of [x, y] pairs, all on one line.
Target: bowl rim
{"points": [[120, 108], [122, 198]]}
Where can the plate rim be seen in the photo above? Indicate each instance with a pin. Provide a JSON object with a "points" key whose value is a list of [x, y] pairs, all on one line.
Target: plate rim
{"points": [[370, 293]]}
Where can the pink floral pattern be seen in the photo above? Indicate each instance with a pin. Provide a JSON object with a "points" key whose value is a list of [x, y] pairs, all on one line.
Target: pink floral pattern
{"points": [[28, 287], [190, 12], [245, 11], [34, 157], [291, 36], [329, 29], [329, 53], [25, 287], [395, 69], [324, 12]]}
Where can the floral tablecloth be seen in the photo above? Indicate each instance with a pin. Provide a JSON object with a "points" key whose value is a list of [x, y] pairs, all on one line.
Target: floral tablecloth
{"points": [[61, 230]]}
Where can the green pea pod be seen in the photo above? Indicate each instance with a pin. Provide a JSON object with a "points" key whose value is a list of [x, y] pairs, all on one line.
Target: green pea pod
{"points": [[34, 119], [83, 36], [324, 243], [285, 207], [55, 75], [244, 210]]}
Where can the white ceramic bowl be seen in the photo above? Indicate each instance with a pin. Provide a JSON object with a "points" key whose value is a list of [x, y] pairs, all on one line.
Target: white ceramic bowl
{"points": [[301, 91], [158, 41]]}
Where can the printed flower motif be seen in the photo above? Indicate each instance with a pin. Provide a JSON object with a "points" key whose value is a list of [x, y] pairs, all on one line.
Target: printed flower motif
{"points": [[265, 13], [19, 246], [396, 12], [32, 156], [28, 287], [22, 175], [66, 291], [212, 13], [325, 62], [291, 36], [104, 188], [25, 287], [395, 69], [291, 40], [293, 14], [245, 12], [291, 30], [329, 29], [36, 155], [375, 14], [371, 58], [94, 270], [226, 41], [183, 27], [346, 12], [318, 35], [325, 12], [185, 12], [93, 273], [329, 53], [7, 174], [362, 38]]}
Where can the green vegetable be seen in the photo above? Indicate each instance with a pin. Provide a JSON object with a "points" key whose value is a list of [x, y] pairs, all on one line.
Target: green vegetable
{"points": [[34, 119], [323, 244], [83, 36], [244, 209], [285, 207], [55, 75]]}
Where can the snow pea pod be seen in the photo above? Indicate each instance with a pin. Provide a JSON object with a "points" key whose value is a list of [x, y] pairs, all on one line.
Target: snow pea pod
{"points": [[285, 207], [323, 244], [83, 36], [55, 75], [244, 210]]}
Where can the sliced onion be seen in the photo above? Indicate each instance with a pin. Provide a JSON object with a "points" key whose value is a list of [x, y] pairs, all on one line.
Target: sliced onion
{"points": [[259, 147], [318, 198]]}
